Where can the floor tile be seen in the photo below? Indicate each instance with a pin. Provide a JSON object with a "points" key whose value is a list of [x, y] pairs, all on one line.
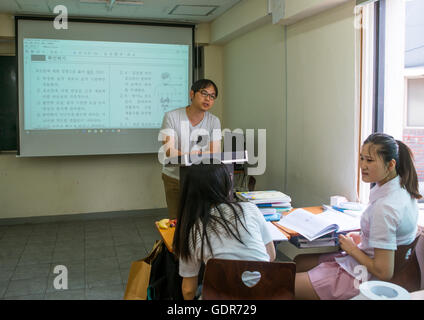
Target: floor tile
{"points": [[9, 262], [149, 243], [77, 244], [41, 255], [17, 231], [27, 297], [13, 241], [131, 239], [71, 224], [71, 266], [125, 271], [42, 238], [6, 273], [44, 231], [90, 243], [101, 264], [78, 294], [115, 292], [149, 233], [70, 236], [100, 252], [98, 237], [3, 287], [70, 254], [97, 255], [103, 278], [97, 227], [31, 271], [26, 287], [9, 251], [40, 245], [121, 223], [131, 249]]}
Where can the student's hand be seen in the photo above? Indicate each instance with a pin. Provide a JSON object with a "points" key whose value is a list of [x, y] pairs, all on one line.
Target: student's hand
{"points": [[347, 244], [356, 236]]}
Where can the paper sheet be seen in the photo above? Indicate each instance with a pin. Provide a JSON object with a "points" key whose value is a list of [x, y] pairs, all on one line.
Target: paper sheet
{"points": [[276, 234]]}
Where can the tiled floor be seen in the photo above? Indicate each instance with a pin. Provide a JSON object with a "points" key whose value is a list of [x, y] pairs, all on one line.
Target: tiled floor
{"points": [[96, 253]]}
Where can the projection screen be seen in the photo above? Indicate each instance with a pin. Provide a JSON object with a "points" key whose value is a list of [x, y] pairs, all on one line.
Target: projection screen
{"points": [[99, 87]]}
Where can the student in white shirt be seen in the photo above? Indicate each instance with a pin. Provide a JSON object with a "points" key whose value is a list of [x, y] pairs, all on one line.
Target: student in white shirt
{"points": [[389, 221], [211, 225]]}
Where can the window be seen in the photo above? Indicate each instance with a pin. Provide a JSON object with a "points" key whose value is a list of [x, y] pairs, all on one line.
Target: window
{"points": [[392, 81]]}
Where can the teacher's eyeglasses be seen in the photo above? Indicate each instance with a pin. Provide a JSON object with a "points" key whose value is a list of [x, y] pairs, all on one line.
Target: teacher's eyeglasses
{"points": [[205, 94]]}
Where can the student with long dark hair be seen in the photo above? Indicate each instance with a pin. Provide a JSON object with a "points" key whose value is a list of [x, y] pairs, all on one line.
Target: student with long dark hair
{"points": [[390, 220], [211, 225]]}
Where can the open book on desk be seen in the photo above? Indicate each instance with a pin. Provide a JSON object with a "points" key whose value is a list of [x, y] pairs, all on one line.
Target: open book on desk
{"points": [[313, 226]]}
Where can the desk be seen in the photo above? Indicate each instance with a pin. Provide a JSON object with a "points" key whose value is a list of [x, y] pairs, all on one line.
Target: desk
{"points": [[285, 247], [167, 235]]}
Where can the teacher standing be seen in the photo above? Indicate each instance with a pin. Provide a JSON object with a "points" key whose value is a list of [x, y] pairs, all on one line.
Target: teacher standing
{"points": [[190, 129]]}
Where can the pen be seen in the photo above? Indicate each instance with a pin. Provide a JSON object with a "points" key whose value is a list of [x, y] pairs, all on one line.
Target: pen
{"points": [[332, 208], [338, 209]]}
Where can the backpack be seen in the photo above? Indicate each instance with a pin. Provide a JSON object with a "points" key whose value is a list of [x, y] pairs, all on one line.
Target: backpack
{"points": [[165, 281]]}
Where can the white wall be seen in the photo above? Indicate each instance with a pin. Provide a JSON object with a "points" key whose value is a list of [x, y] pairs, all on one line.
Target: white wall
{"points": [[254, 94], [70, 185], [322, 115], [214, 70], [306, 96]]}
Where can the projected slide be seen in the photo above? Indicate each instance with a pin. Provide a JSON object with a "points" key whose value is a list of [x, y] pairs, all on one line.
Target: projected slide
{"points": [[74, 85]]}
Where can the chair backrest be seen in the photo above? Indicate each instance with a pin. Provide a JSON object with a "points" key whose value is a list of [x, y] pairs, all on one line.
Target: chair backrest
{"points": [[419, 253], [408, 273], [226, 280]]}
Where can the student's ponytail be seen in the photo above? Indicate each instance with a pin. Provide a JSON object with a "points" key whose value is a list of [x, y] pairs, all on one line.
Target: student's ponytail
{"points": [[389, 149], [406, 170]]}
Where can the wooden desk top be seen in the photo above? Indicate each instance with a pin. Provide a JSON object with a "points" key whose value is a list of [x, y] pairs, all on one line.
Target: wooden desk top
{"points": [[168, 234]]}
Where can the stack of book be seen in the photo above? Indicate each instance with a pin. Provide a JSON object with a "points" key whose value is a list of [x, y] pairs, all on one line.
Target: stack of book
{"points": [[328, 240], [318, 230], [271, 203]]}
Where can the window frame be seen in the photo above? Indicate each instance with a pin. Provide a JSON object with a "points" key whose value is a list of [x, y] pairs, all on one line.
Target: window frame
{"points": [[411, 74]]}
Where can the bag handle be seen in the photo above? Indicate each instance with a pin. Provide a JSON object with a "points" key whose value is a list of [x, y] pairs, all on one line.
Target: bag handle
{"points": [[157, 247]]}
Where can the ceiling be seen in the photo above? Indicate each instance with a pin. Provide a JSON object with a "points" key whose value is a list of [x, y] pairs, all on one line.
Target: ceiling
{"points": [[192, 11]]}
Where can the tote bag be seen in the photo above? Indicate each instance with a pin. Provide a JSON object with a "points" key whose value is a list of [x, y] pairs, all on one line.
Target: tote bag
{"points": [[139, 276]]}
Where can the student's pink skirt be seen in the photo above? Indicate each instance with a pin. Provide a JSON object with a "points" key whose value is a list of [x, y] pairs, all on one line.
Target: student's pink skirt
{"points": [[330, 281]]}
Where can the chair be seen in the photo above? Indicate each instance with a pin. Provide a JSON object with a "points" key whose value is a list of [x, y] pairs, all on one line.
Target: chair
{"points": [[409, 264], [225, 280]]}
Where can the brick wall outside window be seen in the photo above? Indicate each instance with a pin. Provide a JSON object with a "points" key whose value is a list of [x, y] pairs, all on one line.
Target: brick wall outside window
{"points": [[414, 139]]}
